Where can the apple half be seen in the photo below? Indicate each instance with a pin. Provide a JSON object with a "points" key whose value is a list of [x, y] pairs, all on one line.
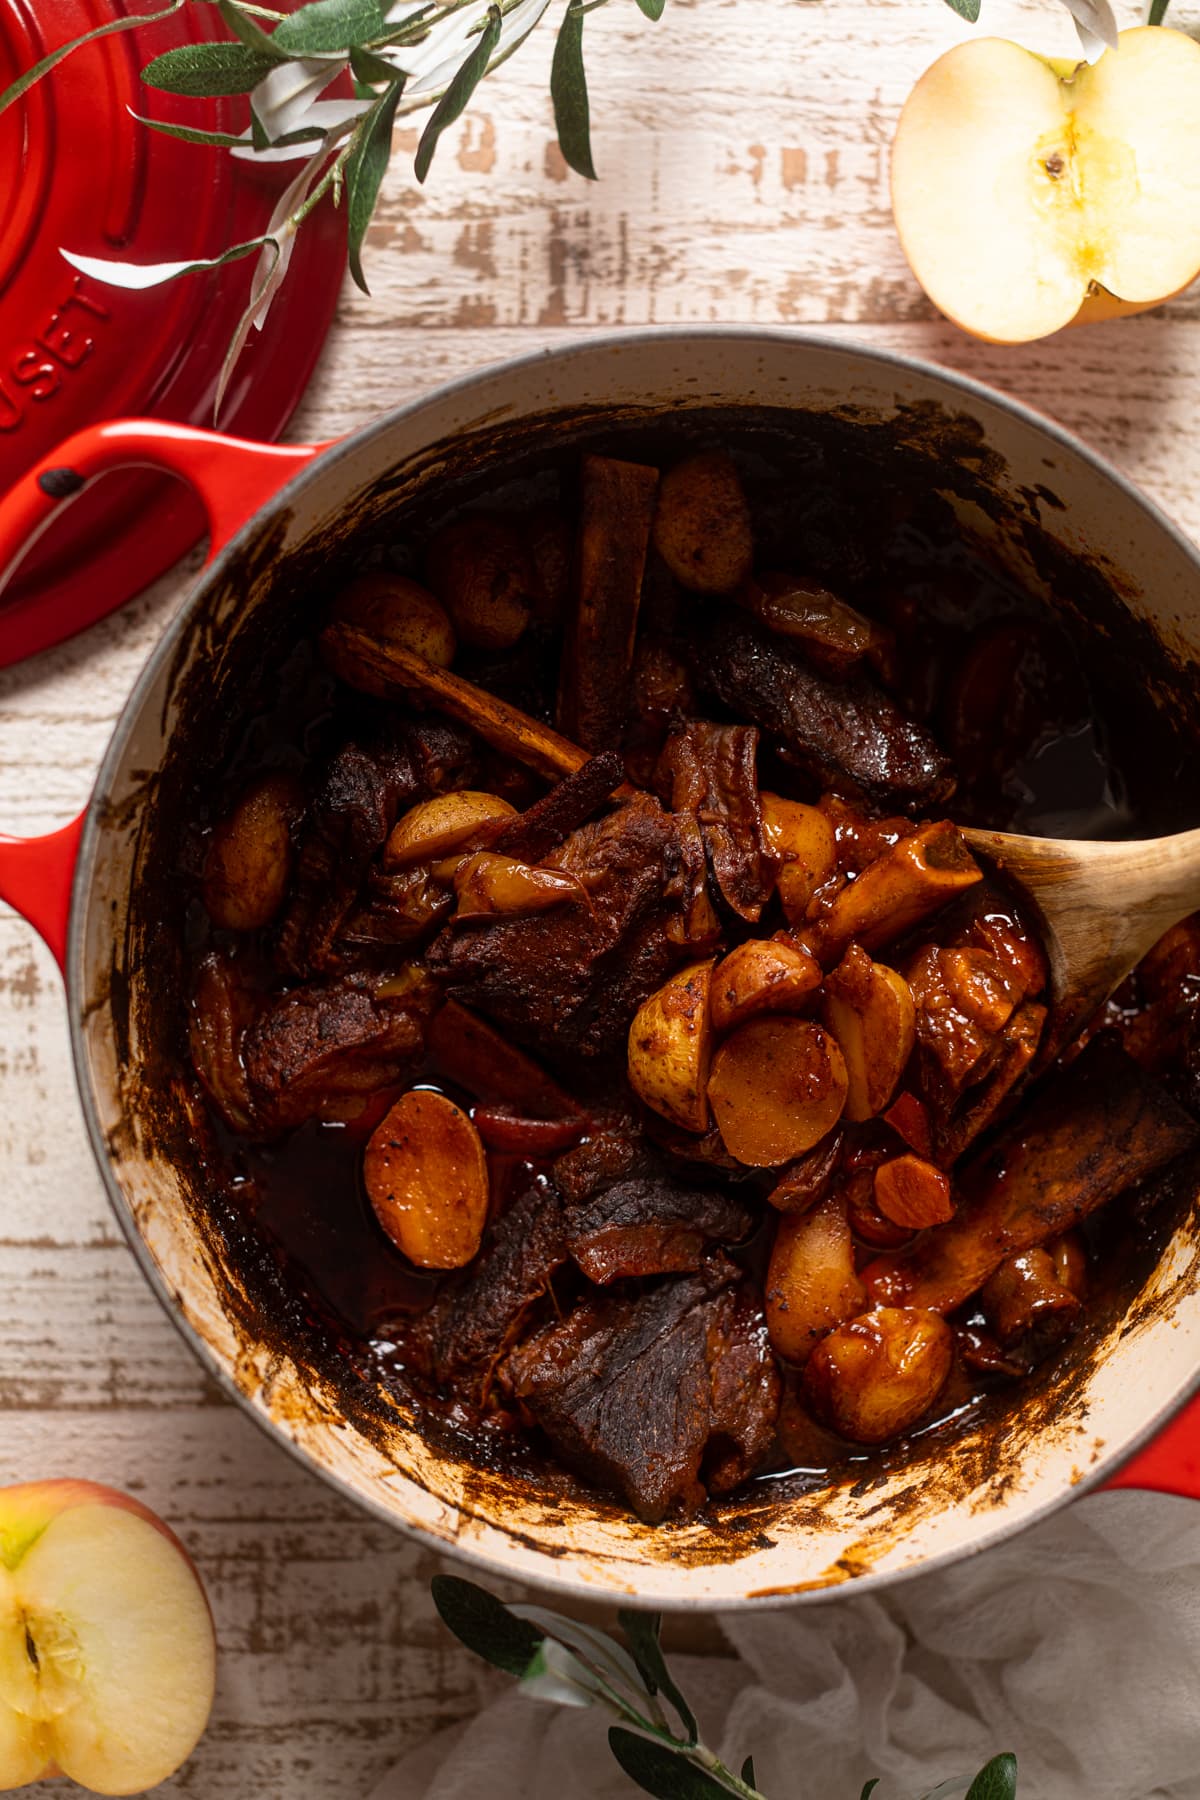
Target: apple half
{"points": [[107, 1653], [1030, 193]]}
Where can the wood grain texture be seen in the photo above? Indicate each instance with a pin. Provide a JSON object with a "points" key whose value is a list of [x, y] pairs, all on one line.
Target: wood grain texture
{"points": [[742, 146]]}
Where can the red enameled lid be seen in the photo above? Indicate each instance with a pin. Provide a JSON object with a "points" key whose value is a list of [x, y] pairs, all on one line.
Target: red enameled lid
{"points": [[77, 170]]}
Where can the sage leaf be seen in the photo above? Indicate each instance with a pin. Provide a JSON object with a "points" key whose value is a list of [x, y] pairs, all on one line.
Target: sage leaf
{"points": [[966, 9], [748, 1771], [454, 100], [568, 91], [557, 1674], [249, 31], [365, 168], [326, 26], [369, 68], [609, 1659], [659, 1770], [642, 1630], [484, 1624], [1158, 12], [653, 9], [219, 140], [31, 76], [136, 276], [870, 1788], [997, 1780], [203, 71]]}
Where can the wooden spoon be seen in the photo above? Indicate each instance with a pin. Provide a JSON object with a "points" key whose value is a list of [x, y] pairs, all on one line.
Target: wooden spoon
{"points": [[1102, 906]]}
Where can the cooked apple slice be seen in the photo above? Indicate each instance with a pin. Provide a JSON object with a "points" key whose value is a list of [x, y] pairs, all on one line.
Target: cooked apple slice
{"points": [[107, 1654], [1028, 192]]}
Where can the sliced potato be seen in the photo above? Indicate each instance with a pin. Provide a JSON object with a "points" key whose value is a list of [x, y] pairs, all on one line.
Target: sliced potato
{"points": [[777, 1086], [870, 1012], [811, 1282], [426, 1176], [913, 1193], [481, 570], [761, 976], [803, 839], [434, 828], [249, 860], [875, 1376], [914, 878], [485, 883], [670, 1043], [400, 612], [702, 527]]}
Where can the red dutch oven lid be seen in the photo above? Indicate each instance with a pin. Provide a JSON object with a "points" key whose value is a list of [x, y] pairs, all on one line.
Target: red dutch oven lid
{"points": [[78, 171]]}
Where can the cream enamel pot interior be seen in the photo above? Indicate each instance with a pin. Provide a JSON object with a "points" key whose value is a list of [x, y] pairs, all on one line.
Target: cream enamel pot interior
{"points": [[280, 517]]}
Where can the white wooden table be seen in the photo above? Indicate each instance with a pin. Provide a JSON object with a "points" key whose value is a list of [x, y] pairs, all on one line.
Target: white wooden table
{"points": [[743, 149]]}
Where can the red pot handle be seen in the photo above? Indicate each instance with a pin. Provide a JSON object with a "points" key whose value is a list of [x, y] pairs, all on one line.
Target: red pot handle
{"points": [[1170, 1462], [233, 477]]}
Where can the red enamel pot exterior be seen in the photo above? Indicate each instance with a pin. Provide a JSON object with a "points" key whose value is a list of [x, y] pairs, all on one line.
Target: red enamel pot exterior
{"points": [[238, 482]]}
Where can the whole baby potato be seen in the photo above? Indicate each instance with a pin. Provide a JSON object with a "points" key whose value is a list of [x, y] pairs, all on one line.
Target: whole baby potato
{"points": [[875, 1376], [401, 612], [249, 858], [702, 527], [481, 570], [670, 1042]]}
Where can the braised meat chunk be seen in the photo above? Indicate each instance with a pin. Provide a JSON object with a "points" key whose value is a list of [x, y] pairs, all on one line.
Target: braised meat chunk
{"points": [[848, 734], [652, 1226], [648, 1396], [710, 771], [573, 978]]}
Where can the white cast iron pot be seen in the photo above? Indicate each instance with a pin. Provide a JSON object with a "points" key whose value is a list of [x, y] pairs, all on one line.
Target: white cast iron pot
{"points": [[97, 890]]}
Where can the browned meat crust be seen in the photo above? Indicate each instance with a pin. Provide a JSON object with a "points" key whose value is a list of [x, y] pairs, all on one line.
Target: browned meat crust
{"points": [[848, 734]]}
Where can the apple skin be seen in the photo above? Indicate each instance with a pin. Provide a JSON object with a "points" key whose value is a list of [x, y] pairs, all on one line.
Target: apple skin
{"points": [[105, 1572]]}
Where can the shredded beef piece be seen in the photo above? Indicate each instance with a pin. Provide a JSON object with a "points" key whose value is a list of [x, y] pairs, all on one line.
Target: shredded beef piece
{"points": [[396, 910], [572, 979], [634, 1393], [568, 805], [712, 772], [652, 1226], [616, 1151], [318, 1046], [473, 1322], [847, 734], [352, 812]]}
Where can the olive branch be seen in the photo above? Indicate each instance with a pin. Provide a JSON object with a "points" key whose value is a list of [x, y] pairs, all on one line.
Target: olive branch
{"points": [[656, 1738], [402, 56]]}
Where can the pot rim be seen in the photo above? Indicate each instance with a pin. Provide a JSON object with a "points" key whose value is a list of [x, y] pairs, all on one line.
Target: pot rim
{"points": [[779, 337]]}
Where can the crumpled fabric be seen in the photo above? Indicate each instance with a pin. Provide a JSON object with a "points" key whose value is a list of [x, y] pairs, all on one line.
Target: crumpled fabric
{"points": [[1075, 1644]]}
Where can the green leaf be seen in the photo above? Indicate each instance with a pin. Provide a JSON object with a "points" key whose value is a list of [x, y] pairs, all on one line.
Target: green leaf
{"points": [[250, 33], [966, 9], [456, 96], [327, 26], [220, 140], [661, 1771], [568, 90], [642, 1630], [653, 9], [1158, 11], [484, 1624], [870, 1788], [997, 1780], [369, 68], [200, 71], [748, 1771], [364, 171], [31, 76]]}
